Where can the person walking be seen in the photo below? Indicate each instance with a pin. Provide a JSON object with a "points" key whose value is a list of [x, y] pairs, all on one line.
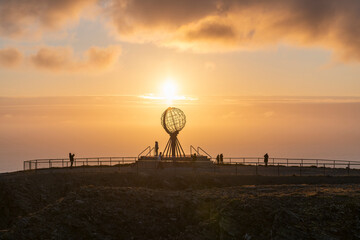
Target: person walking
{"points": [[266, 159]]}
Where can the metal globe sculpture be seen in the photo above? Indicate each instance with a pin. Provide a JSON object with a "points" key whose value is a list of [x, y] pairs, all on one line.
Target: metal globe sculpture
{"points": [[173, 121]]}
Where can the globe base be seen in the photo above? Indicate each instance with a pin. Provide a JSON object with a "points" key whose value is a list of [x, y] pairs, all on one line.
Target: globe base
{"points": [[173, 147]]}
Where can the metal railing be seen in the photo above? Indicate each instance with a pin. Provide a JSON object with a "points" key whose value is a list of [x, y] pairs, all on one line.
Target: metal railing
{"points": [[147, 148], [192, 148], [288, 162], [202, 150], [84, 162], [230, 165]]}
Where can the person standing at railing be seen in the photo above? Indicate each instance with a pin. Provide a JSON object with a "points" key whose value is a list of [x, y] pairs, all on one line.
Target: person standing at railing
{"points": [[221, 158], [266, 159], [193, 161], [158, 164], [156, 149], [218, 159], [71, 158]]}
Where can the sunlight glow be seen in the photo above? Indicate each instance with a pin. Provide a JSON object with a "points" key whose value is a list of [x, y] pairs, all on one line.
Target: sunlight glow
{"points": [[169, 89], [168, 94], [177, 98]]}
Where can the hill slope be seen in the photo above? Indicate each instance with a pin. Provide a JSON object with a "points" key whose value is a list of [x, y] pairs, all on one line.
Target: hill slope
{"points": [[127, 206]]}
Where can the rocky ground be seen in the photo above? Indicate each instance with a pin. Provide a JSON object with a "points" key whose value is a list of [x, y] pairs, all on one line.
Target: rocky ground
{"points": [[130, 206]]}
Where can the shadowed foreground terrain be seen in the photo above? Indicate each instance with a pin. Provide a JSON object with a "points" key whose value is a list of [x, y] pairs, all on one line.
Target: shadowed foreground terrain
{"points": [[129, 206]]}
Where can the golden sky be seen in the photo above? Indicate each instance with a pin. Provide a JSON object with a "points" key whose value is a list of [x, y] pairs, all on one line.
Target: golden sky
{"points": [[257, 73]]}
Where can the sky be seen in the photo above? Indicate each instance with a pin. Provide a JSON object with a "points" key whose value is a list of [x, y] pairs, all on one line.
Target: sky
{"points": [[93, 77]]}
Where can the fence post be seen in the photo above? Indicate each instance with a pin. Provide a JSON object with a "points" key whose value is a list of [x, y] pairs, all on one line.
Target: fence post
{"points": [[287, 162], [24, 165], [49, 163], [324, 169], [62, 163], [256, 169], [236, 169], [230, 160], [300, 168], [278, 168]]}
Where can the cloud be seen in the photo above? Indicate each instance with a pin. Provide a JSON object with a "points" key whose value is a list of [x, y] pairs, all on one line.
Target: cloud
{"points": [[63, 59], [102, 57], [227, 25], [18, 17], [10, 57], [201, 25]]}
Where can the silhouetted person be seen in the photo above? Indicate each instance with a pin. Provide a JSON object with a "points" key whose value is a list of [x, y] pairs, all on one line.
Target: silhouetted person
{"points": [[218, 159], [266, 159], [221, 158], [193, 161], [156, 148], [71, 158], [159, 161]]}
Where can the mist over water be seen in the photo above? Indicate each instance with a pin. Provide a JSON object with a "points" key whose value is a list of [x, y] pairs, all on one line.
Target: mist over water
{"points": [[32, 128]]}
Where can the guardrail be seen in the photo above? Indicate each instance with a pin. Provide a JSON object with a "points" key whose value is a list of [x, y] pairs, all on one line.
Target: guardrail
{"points": [[288, 162], [255, 165], [64, 162]]}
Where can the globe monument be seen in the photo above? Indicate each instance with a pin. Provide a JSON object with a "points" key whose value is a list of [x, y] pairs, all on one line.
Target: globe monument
{"points": [[173, 121]]}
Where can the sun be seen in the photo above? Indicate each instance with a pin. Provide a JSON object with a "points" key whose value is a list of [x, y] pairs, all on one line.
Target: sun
{"points": [[169, 90]]}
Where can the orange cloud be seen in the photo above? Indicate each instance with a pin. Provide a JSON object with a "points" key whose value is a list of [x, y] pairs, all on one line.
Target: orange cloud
{"points": [[223, 25], [201, 25], [10, 57], [62, 59], [26, 16]]}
